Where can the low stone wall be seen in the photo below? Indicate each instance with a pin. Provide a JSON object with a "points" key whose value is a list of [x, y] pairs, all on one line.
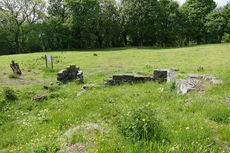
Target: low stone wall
{"points": [[126, 78], [70, 73], [160, 75]]}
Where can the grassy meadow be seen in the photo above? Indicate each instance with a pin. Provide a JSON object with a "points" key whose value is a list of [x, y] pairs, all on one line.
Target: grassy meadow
{"points": [[130, 118]]}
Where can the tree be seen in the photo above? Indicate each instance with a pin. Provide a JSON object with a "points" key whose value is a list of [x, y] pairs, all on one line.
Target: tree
{"points": [[15, 13], [196, 12], [219, 22], [139, 19], [168, 23], [108, 28], [82, 21]]}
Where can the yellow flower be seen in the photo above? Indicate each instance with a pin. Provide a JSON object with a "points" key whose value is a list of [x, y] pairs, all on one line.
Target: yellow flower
{"points": [[143, 119]]}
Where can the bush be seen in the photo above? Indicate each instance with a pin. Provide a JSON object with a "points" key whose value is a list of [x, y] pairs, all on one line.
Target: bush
{"points": [[9, 94], [200, 69], [141, 124], [13, 76], [226, 38]]}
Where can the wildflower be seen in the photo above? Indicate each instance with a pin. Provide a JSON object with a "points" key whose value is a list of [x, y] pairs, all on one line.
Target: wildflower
{"points": [[187, 128], [143, 119]]}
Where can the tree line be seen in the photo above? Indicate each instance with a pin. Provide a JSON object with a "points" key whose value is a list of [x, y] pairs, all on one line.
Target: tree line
{"points": [[38, 25]]}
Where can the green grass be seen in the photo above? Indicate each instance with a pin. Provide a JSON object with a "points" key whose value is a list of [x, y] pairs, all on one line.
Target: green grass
{"points": [[13, 76], [127, 118]]}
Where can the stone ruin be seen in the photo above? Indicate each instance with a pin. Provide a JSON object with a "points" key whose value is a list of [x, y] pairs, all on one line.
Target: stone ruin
{"points": [[191, 83], [195, 81], [127, 78], [161, 75], [70, 73]]}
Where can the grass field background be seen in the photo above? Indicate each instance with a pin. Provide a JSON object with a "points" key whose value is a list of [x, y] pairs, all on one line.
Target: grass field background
{"points": [[110, 119]]}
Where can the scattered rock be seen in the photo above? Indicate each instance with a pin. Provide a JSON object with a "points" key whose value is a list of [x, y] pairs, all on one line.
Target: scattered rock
{"points": [[193, 76], [207, 77], [83, 89], [216, 81], [172, 76], [185, 86], [70, 73], [227, 100], [174, 69], [47, 86], [212, 79], [38, 98]]}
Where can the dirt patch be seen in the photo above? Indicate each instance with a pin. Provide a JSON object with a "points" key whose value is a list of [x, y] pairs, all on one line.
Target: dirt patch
{"points": [[117, 67], [26, 78], [86, 137]]}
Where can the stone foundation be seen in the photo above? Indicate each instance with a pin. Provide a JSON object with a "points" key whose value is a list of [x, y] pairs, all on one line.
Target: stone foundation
{"points": [[194, 82], [70, 73], [160, 75], [127, 78]]}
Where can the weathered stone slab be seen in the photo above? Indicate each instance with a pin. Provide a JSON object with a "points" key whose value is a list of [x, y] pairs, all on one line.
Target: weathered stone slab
{"points": [[185, 86], [128, 77], [142, 78], [174, 69], [216, 81], [117, 76], [83, 89], [193, 76]]}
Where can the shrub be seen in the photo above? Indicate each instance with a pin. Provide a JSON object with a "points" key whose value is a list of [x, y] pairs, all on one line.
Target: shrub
{"points": [[141, 124], [226, 38], [200, 69], [13, 76], [9, 94]]}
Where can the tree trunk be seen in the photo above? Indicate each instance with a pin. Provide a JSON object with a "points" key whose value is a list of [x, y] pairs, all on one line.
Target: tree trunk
{"points": [[141, 42], [220, 38], [198, 40], [100, 42], [17, 41], [125, 38]]}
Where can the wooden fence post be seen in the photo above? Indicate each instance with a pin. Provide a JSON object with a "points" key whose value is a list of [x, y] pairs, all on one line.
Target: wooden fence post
{"points": [[46, 62], [52, 62]]}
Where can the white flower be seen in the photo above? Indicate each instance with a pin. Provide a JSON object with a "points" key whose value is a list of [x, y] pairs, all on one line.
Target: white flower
{"points": [[187, 128]]}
